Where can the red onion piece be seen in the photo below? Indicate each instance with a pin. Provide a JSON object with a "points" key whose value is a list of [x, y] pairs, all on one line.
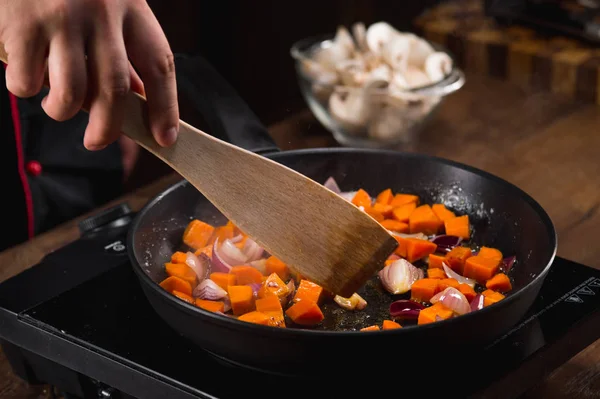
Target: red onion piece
{"points": [[199, 264], [255, 288], [237, 238], [405, 309], [477, 302], [260, 265], [461, 279], [210, 290], [331, 184], [452, 299], [509, 263], [227, 304], [252, 250], [218, 264], [231, 254], [399, 276], [445, 242], [291, 285], [405, 235], [348, 195]]}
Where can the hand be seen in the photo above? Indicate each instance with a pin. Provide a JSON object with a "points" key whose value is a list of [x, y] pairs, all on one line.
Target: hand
{"points": [[85, 47]]}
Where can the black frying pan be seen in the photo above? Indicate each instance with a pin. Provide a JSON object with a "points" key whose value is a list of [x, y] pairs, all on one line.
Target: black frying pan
{"points": [[503, 216]]}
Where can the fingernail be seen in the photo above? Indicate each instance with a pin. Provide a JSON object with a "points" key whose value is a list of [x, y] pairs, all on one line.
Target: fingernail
{"points": [[93, 147], [170, 136]]}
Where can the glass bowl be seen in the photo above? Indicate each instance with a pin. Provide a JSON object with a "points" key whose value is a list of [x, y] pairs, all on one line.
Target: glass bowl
{"points": [[376, 119]]}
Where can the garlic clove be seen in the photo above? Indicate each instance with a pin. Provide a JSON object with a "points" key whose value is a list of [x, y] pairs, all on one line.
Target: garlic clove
{"points": [[437, 66]]}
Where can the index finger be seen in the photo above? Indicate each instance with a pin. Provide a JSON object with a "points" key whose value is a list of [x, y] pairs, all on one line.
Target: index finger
{"points": [[150, 53]]}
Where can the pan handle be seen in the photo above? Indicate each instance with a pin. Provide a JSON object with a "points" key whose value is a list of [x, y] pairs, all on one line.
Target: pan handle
{"points": [[210, 103]]}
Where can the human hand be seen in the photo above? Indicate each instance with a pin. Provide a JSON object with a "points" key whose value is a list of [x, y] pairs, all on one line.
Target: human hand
{"points": [[85, 48]]}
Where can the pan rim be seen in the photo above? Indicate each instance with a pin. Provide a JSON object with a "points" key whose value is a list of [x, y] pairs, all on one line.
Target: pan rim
{"points": [[306, 333]]}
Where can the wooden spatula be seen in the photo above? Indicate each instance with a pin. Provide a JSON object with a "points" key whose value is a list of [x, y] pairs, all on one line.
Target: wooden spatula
{"points": [[313, 230]]}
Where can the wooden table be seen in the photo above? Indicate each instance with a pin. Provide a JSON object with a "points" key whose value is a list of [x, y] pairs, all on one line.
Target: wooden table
{"points": [[544, 143]]}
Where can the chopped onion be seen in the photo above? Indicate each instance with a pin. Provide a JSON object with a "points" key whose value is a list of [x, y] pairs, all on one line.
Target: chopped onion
{"points": [[231, 254], [210, 290], [445, 242], [452, 274], [237, 238], [331, 184], [405, 309], [199, 264], [509, 263], [348, 195], [393, 257], [291, 286], [255, 288], [260, 265], [404, 235], [252, 250], [227, 304], [399, 276], [477, 302], [452, 299], [354, 302], [218, 264]]}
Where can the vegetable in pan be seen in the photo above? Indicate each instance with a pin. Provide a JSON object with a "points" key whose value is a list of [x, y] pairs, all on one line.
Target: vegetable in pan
{"points": [[434, 274]]}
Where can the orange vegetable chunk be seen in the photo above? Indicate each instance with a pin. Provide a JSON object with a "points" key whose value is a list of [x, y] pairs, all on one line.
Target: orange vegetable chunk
{"points": [[174, 283], [491, 253], [500, 282], [428, 315], [305, 313], [211, 306], [255, 317], [273, 285], [456, 258], [222, 233], [223, 280], [374, 327], [480, 268], [374, 214], [394, 225], [241, 298], [448, 282], [275, 265], [458, 226], [442, 212], [184, 297], [402, 212], [182, 271], [271, 306], [418, 249], [423, 220], [362, 198], [402, 199], [402, 246], [436, 273], [385, 210], [307, 290], [207, 250], [435, 261], [178, 257], [490, 297], [384, 197], [390, 325], [422, 290], [197, 233], [467, 291], [246, 274]]}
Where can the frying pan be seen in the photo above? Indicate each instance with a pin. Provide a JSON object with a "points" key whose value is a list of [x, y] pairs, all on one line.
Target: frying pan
{"points": [[503, 216]]}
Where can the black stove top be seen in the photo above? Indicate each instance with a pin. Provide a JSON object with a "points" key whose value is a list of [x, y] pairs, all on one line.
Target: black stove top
{"points": [[79, 320]]}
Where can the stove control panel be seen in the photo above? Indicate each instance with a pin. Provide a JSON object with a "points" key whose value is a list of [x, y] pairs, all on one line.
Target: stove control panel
{"points": [[110, 218]]}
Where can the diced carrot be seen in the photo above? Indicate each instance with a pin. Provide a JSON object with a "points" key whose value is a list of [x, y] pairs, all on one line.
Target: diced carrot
{"points": [[178, 257], [456, 258], [402, 199], [402, 246], [197, 233], [207, 250], [236, 230], [422, 290], [385, 210], [223, 280], [448, 282], [275, 265], [442, 212], [273, 285], [458, 226], [418, 249], [480, 268], [491, 253], [183, 297], [306, 313], [246, 274], [362, 198], [436, 273], [174, 283], [433, 313], [374, 327], [241, 298], [490, 297], [271, 306], [435, 261], [394, 225], [389, 261], [390, 325], [307, 290], [385, 197], [374, 214], [402, 212], [255, 317], [222, 233], [500, 282], [182, 271], [276, 319], [467, 291], [211, 306], [423, 220]]}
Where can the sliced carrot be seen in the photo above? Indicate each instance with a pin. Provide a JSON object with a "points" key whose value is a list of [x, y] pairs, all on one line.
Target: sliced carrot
{"points": [[374, 214], [306, 313], [174, 283], [211, 306], [394, 225], [241, 298], [442, 212], [467, 291], [435, 261], [490, 297], [183, 297], [246, 274], [374, 327], [385, 210], [222, 233], [491, 253], [480, 268], [433, 313], [178, 257], [206, 250], [422, 290], [500, 282], [273, 285], [418, 249], [255, 317], [307, 290], [223, 280], [390, 325], [402, 212], [197, 233], [362, 198], [385, 197], [275, 265], [456, 258], [458, 226], [402, 199], [423, 220], [436, 273], [448, 282], [182, 271]]}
